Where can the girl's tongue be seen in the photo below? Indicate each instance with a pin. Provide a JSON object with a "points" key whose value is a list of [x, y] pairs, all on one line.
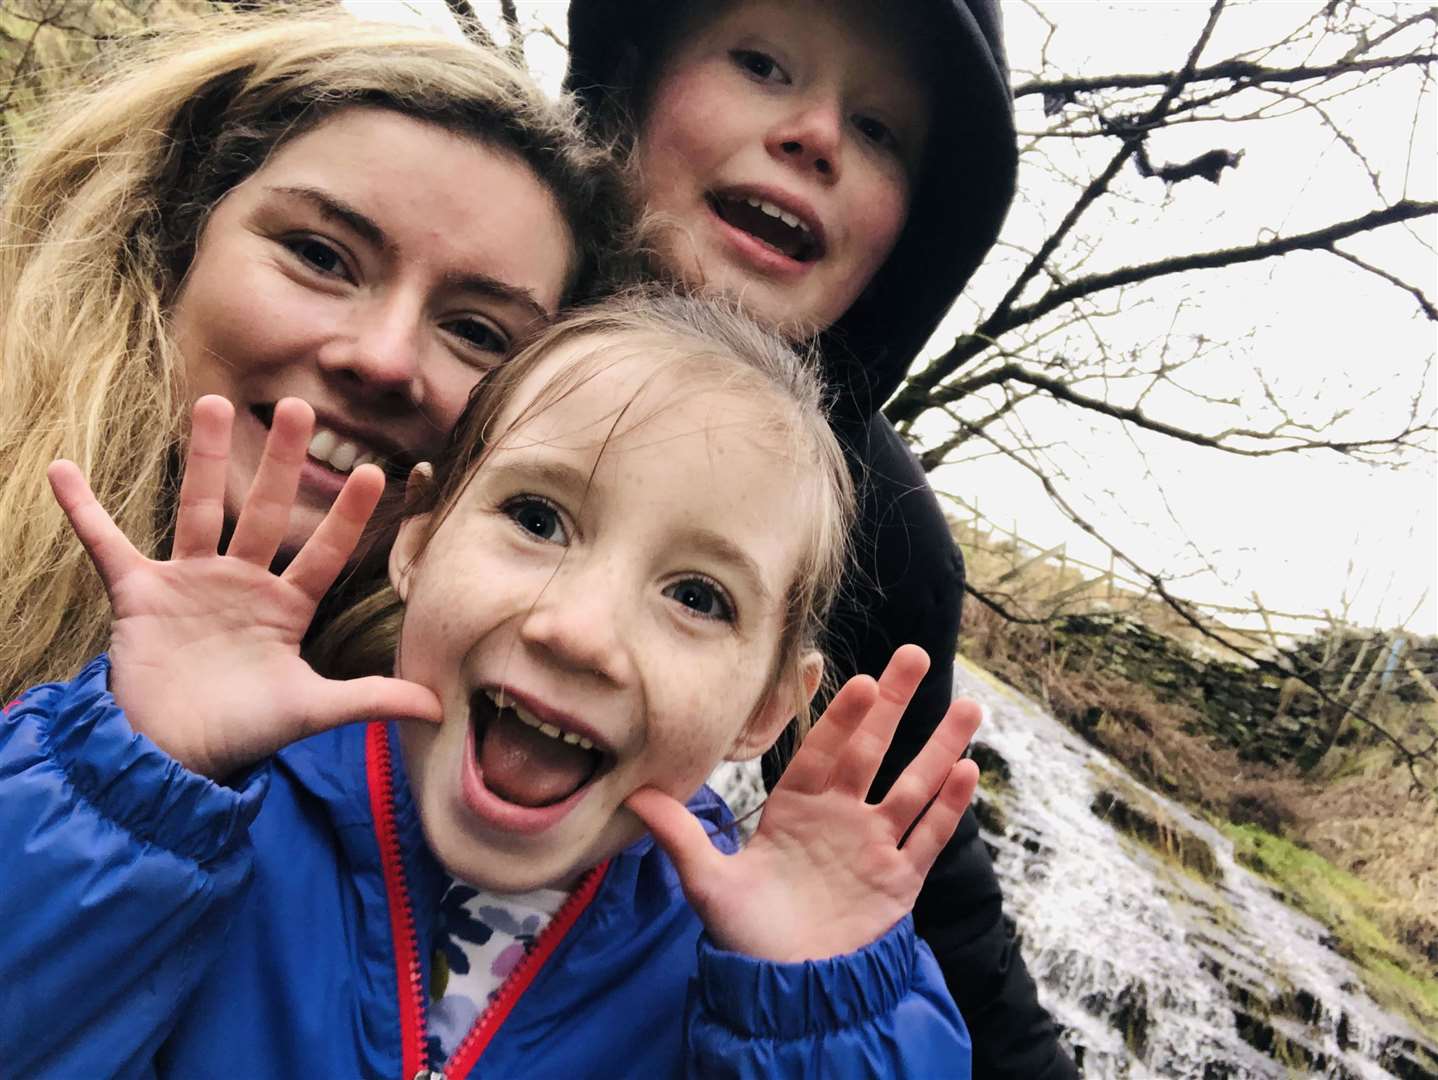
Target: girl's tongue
{"points": [[522, 765]]}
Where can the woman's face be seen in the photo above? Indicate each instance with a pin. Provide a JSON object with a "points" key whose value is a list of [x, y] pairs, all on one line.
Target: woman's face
{"points": [[375, 266], [778, 146]]}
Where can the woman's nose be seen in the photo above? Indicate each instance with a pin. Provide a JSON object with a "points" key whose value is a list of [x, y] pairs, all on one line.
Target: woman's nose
{"points": [[575, 620], [810, 138], [379, 352]]}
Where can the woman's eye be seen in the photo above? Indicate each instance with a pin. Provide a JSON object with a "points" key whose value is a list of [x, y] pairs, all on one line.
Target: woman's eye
{"points": [[537, 517], [479, 334], [702, 597], [760, 65], [317, 254]]}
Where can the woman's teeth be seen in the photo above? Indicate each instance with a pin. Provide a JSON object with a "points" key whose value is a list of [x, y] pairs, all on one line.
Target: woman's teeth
{"points": [[528, 720], [339, 454]]}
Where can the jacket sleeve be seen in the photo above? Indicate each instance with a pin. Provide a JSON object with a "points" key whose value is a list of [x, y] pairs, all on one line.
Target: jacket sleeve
{"points": [[880, 1012], [120, 870], [908, 586]]}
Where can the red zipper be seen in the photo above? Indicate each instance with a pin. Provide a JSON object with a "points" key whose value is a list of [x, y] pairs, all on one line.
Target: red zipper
{"points": [[379, 768], [379, 771]]}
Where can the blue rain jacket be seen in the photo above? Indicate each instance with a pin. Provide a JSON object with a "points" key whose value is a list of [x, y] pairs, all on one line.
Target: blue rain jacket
{"points": [[156, 924]]}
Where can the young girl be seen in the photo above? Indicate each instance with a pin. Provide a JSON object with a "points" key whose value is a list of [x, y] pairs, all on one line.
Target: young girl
{"points": [[612, 580], [841, 167]]}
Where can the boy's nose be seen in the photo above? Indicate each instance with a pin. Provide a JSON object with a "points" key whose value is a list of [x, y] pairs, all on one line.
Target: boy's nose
{"points": [[811, 139], [379, 352]]}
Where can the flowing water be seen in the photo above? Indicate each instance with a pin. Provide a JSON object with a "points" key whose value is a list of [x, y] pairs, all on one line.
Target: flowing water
{"points": [[1153, 971]]}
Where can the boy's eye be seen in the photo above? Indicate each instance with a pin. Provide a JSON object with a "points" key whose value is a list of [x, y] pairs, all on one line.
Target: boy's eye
{"points": [[317, 254], [703, 597], [538, 517], [479, 334], [877, 132], [760, 65]]}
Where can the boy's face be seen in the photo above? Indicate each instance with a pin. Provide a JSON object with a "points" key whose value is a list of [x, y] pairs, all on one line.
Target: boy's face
{"points": [[779, 146], [623, 591]]}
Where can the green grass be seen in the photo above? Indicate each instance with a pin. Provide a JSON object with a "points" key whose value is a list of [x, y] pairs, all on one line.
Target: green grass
{"points": [[1352, 910]]}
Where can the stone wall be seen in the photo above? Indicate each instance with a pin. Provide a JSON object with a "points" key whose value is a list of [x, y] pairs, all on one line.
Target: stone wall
{"points": [[1264, 716]]}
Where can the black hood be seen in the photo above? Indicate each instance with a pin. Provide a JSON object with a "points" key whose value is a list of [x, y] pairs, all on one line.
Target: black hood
{"points": [[965, 184]]}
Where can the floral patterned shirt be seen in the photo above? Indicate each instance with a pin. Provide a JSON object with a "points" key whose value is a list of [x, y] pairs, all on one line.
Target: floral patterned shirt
{"points": [[481, 937]]}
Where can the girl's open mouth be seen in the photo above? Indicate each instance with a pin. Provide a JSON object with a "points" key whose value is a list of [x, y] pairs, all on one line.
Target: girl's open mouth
{"points": [[525, 760]]}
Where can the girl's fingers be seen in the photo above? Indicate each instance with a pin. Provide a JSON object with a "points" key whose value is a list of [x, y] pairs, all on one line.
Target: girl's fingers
{"points": [[201, 516], [917, 784], [937, 825], [109, 548], [679, 833], [855, 770], [327, 550], [813, 765], [265, 518]]}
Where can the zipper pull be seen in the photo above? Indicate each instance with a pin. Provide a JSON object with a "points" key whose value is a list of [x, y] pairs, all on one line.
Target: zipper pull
{"points": [[428, 1074]]}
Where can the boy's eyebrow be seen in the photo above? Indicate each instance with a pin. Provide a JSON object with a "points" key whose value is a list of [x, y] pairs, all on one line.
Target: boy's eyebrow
{"points": [[338, 210]]}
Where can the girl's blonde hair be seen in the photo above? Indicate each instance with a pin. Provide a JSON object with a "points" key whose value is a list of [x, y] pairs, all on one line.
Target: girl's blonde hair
{"points": [[709, 343], [99, 221]]}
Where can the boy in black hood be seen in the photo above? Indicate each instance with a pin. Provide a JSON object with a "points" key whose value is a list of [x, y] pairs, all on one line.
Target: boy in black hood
{"points": [[843, 167]]}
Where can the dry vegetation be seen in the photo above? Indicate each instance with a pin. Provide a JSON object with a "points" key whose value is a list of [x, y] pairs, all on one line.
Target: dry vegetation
{"points": [[1356, 810]]}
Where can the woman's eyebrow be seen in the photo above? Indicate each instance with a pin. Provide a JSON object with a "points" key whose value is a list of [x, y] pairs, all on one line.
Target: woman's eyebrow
{"points": [[337, 210], [484, 284]]}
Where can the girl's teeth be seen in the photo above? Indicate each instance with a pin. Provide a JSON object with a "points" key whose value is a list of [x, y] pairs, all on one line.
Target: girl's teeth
{"points": [[499, 702]]}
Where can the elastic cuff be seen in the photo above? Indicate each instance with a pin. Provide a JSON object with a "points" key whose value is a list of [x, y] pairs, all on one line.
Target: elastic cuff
{"points": [[130, 780], [766, 1000]]}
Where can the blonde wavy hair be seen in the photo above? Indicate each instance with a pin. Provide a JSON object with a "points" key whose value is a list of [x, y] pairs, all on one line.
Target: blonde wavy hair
{"points": [[99, 220], [713, 344]]}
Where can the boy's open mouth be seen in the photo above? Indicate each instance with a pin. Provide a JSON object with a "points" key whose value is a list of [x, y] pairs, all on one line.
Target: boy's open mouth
{"points": [[526, 761], [783, 231]]}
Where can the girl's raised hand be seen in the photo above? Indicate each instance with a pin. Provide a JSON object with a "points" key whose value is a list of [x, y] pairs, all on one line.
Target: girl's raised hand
{"points": [[826, 874], [204, 651]]}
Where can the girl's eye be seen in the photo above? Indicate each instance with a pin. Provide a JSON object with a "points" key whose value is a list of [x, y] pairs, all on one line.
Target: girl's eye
{"points": [[703, 597], [538, 517], [318, 255], [479, 334], [760, 65]]}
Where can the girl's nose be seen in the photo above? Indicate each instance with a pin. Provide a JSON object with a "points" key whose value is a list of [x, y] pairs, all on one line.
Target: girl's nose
{"points": [[575, 620], [379, 351], [810, 138]]}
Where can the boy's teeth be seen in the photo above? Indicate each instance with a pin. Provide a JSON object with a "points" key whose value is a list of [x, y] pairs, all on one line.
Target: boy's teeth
{"points": [[791, 220], [339, 454]]}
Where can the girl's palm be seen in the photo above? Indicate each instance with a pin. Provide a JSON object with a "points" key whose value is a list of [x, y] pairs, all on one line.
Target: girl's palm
{"points": [[205, 647], [826, 873]]}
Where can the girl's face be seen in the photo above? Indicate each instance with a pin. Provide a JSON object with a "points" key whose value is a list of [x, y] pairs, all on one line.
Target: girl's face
{"points": [[601, 610], [375, 266], [778, 145]]}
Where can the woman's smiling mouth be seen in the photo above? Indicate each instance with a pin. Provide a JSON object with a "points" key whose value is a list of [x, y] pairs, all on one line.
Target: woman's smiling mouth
{"points": [[343, 452]]}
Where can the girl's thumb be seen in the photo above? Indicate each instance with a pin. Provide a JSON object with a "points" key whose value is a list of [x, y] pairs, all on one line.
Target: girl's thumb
{"points": [[681, 836], [375, 697]]}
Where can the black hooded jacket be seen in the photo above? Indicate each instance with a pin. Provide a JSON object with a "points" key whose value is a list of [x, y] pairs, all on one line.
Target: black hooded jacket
{"points": [[908, 583]]}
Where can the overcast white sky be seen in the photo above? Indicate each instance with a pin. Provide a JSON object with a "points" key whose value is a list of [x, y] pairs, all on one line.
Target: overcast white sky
{"points": [[1287, 527]]}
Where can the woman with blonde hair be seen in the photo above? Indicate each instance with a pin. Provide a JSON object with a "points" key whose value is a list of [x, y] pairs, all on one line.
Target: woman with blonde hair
{"points": [[361, 215]]}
